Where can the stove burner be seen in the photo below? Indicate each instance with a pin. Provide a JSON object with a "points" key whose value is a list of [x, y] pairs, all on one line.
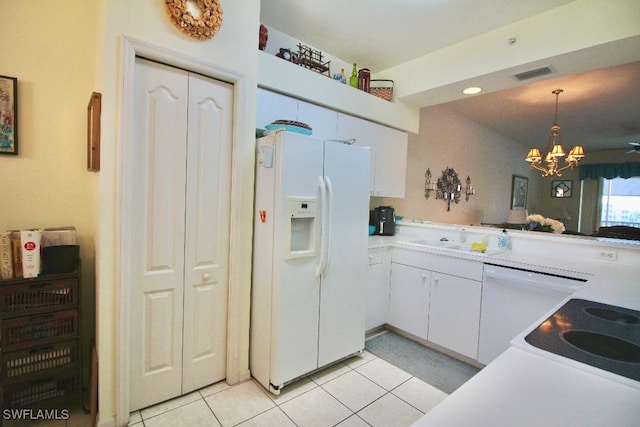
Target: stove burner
{"points": [[612, 315]]}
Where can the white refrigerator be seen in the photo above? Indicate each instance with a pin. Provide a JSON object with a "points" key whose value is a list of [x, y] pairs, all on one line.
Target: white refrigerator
{"points": [[309, 256]]}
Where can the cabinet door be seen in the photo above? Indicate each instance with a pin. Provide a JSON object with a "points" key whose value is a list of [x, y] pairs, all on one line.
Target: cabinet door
{"points": [[409, 299], [377, 288], [322, 120], [349, 127], [390, 152], [454, 317], [271, 106]]}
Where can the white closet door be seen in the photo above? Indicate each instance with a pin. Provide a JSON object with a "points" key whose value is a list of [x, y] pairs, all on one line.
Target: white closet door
{"points": [[207, 231], [180, 236], [157, 263]]}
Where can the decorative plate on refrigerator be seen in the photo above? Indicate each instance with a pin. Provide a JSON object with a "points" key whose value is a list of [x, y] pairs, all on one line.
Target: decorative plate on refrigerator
{"points": [[290, 126]]}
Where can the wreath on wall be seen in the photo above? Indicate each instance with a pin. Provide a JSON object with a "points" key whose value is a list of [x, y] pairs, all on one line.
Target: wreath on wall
{"points": [[201, 27]]}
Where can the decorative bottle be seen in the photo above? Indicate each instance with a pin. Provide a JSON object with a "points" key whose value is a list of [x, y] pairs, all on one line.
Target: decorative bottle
{"points": [[353, 80]]}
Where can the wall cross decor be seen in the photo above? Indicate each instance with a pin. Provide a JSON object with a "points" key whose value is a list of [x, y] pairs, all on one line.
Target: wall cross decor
{"points": [[448, 187]]}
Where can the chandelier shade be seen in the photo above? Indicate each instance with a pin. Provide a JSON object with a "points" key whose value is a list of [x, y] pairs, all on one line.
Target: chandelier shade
{"points": [[555, 151]]}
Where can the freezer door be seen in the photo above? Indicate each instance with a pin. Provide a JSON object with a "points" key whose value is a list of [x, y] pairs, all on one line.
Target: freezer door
{"points": [[296, 287], [342, 291]]}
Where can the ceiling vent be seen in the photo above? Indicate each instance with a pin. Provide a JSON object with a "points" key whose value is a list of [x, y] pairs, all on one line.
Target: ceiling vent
{"points": [[531, 74]]}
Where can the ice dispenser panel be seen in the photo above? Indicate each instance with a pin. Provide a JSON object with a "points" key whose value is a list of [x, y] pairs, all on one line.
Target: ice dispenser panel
{"points": [[301, 230]]}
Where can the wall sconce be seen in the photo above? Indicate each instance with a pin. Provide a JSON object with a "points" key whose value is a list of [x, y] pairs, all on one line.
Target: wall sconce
{"points": [[448, 187], [469, 190], [428, 185]]}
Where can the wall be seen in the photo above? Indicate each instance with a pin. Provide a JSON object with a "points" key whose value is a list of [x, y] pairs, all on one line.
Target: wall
{"points": [[233, 48], [47, 184], [446, 140]]}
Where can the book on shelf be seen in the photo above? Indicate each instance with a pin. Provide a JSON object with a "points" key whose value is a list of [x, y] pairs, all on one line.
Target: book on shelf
{"points": [[6, 257]]}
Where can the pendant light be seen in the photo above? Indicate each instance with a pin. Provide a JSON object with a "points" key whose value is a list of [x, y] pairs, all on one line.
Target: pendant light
{"points": [[555, 151]]}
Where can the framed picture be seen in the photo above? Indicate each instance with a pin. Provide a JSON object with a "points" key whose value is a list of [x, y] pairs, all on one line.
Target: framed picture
{"points": [[93, 132], [519, 191], [8, 115], [561, 188]]}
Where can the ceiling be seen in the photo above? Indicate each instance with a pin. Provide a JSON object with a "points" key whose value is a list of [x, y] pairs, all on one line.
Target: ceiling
{"points": [[598, 109]]}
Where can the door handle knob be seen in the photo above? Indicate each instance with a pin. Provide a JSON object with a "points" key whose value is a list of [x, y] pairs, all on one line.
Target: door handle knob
{"points": [[206, 276]]}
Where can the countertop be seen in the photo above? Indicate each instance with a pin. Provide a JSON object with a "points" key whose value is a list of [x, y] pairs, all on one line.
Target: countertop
{"points": [[522, 389], [526, 386]]}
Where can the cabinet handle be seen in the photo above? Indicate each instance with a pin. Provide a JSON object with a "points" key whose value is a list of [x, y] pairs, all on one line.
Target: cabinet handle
{"points": [[206, 276], [436, 280]]}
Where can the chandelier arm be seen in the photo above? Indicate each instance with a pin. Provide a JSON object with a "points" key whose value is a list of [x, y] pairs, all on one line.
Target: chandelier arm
{"points": [[540, 168]]}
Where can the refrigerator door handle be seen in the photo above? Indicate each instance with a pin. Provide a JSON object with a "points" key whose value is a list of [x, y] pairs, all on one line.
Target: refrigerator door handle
{"points": [[329, 223], [323, 216]]}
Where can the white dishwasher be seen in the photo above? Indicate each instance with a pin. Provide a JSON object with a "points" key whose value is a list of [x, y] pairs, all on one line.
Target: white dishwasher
{"points": [[512, 299]]}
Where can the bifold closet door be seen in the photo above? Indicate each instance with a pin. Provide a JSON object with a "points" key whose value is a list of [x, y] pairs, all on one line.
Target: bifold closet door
{"points": [[179, 241], [207, 232]]}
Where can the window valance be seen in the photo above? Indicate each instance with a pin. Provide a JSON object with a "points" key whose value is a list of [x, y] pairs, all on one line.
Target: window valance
{"points": [[609, 170]]}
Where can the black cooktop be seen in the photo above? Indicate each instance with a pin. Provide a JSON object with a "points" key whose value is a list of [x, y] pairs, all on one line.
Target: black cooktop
{"points": [[600, 335]]}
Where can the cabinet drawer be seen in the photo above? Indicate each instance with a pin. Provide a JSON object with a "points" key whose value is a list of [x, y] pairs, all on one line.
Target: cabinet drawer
{"points": [[23, 364], [26, 298], [43, 391], [27, 331], [442, 263]]}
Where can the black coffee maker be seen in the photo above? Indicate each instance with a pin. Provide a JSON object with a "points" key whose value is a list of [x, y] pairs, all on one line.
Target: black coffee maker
{"points": [[384, 220]]}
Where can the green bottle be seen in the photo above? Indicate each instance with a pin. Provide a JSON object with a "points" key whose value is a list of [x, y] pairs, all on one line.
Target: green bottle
{"points": [[353, 80]]}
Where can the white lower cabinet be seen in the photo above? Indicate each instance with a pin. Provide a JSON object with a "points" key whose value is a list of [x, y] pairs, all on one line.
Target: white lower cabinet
{"points": [[378, 275], [436, 298], [409, 299], [454, 315]]}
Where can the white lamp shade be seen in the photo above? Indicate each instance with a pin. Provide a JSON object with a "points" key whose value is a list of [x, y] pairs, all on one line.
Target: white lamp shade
{"points": [[517, 216]]}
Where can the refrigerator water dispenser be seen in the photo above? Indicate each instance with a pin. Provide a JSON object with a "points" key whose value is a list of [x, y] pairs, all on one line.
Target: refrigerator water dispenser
{"points": [[301, 230]]}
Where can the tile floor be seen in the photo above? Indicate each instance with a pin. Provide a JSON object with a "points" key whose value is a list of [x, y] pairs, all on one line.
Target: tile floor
{"points": [[361, 391]]}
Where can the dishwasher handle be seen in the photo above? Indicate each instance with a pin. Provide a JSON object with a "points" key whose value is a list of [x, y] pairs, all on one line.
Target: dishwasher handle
{"points": [[518, 280]]}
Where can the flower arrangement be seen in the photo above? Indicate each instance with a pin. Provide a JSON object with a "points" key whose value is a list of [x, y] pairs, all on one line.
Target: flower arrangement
{"points": [[539, 223]]}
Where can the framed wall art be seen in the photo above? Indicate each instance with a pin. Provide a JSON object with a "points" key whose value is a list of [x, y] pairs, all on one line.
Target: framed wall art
{"points": [[561, 188], [8, 115], [519, 192]]}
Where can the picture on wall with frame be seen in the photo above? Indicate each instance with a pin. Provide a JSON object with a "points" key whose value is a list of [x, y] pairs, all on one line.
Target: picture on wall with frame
{"points": [[561, 188], [8, 115], [519, 192]]}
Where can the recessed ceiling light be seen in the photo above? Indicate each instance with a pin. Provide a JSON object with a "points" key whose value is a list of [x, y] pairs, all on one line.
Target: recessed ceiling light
{"points": [[472, 90]]}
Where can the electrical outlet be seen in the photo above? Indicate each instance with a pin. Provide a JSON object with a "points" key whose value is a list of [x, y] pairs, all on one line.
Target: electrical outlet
{"points": [[609, 255]]}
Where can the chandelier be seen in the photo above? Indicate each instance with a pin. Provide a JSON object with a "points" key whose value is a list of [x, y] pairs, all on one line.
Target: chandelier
{"points": [[555, 151]]}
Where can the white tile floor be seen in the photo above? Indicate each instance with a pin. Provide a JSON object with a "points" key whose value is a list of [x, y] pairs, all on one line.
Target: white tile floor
{"points": [[362, 391]]}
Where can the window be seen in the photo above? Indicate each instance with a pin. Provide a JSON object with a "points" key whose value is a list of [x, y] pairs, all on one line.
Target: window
{"points": [[620, 202]]}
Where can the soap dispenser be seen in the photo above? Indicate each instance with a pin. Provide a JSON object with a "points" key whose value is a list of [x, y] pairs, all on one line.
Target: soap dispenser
{"points": [[503, 240]]}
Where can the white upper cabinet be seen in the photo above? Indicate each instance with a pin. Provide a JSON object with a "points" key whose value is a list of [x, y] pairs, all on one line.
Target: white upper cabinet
{"points": [[322, 120], [388, 146], [274, 106], [388, 153]]}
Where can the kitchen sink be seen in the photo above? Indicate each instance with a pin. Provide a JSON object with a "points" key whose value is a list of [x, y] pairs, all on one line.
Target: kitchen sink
{"points": [[436, 243], [600, 335], [445, 244]]}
